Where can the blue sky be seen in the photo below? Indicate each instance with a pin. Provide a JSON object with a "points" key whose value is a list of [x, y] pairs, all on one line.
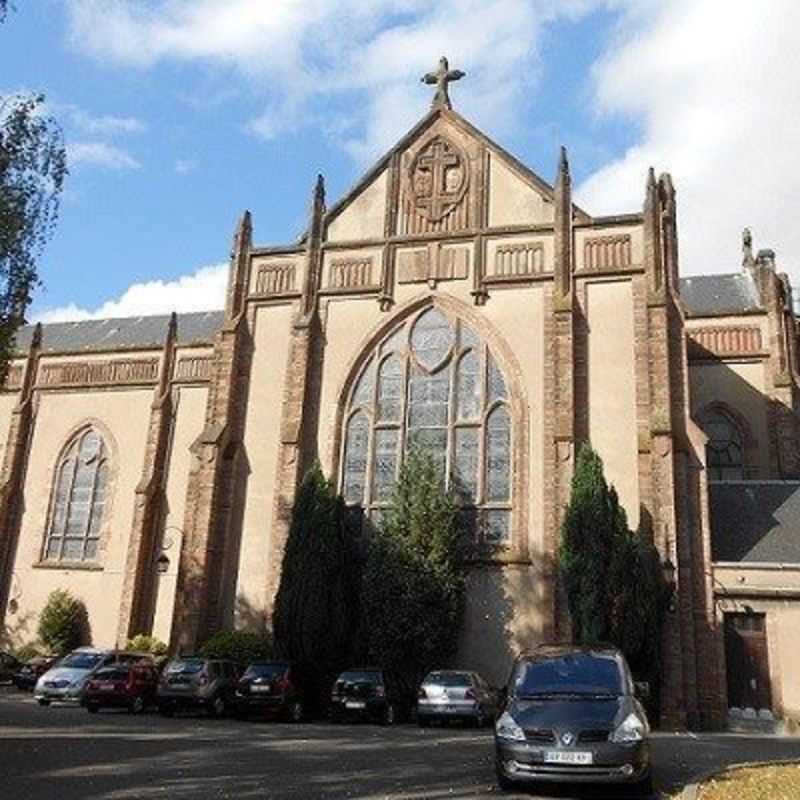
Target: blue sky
{"points": [[178, 115]]}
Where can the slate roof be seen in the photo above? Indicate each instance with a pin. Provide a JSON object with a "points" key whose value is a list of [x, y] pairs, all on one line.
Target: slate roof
{"points": [[128, 333], [755, 521], [718, 295]]}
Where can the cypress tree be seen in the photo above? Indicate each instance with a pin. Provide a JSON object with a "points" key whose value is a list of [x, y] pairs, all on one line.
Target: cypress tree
{"points": [[316, 603]]}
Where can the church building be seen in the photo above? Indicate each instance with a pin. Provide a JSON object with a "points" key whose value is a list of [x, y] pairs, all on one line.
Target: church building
{"points": [[455, 299]]}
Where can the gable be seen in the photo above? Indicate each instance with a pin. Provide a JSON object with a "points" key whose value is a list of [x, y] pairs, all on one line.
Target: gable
{"points": [[364, 214], [514, 201]]}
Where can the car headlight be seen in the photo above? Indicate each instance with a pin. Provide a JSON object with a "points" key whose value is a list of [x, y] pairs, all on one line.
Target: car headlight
{"points": [[632, 729], [507, 728]]}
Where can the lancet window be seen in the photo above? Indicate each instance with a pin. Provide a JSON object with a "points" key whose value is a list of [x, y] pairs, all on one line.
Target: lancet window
{"points": [[724, 449]]}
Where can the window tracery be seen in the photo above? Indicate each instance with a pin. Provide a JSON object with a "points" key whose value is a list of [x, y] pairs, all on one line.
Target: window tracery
{"points": [[432, 382], [725, 447]]}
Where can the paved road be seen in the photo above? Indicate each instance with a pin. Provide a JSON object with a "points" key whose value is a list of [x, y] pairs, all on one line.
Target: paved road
{"points": [[63, 753]]}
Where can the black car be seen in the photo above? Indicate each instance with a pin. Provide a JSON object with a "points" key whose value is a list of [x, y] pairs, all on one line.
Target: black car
{"points": [[28, 673], [272, 688], [571, 716], [8, 666], [368, 694]]}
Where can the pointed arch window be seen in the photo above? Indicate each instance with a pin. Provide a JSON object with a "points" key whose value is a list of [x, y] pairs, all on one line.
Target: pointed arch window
{"points": [[79, 498], [433, 382], [725, 447]]}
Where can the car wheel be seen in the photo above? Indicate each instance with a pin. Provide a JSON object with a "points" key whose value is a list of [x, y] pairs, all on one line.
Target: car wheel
{"points": [[505, 784], [296, 711], [166, 710], [218, 706], [92, 708], [644, 788], [423, 722], [137, 705], [43, 702], [390, 715]]}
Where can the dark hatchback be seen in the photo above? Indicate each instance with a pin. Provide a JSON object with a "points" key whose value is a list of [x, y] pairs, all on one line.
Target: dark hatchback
{"points": [[571, 716], [131, 686], [271, 688], [368, 694], [30, 672]]}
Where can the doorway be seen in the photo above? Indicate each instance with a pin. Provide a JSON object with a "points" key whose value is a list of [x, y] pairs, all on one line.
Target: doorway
{"points": [[747, 661]]}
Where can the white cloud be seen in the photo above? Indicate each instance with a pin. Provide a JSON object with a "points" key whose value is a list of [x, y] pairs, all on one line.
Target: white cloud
{"points": [[106, 125], [183, 166], [713, 86], [100, 154], [201, 290]]}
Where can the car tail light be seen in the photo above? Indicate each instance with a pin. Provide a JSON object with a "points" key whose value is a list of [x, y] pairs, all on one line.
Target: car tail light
{"points": [[283, 684], [421, 694], [470, 694], [203, 678], [380, 691]]}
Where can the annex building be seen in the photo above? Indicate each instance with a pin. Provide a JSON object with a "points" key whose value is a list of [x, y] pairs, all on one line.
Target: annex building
{"points": [[457, 299]]}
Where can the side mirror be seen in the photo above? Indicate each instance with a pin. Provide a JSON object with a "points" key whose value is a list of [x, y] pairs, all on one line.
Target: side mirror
{"points": [[641, 689]]}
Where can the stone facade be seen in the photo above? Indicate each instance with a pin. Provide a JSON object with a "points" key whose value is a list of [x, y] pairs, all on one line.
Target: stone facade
{"points": [[211, 422]]}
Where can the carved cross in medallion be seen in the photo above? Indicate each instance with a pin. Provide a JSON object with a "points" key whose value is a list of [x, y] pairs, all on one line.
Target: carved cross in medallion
{"points": [[441, 79], [438, 178]]}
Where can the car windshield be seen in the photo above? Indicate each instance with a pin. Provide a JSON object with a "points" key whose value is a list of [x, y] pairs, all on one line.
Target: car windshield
{"points": [[574, 673], [188, 666], [81, 660], [112, 674], [448, 679], [265, 670], [360, 676]]}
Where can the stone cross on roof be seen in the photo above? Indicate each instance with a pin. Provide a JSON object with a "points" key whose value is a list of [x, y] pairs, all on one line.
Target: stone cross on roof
{"points": [[441, 79]]}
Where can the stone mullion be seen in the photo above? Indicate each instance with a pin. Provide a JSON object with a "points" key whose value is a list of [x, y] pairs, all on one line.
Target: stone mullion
{"points": [[15, 464]]}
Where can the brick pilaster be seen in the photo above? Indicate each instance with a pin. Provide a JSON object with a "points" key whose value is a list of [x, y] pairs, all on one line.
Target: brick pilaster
{"points": [[15, 464], [137, 605]]}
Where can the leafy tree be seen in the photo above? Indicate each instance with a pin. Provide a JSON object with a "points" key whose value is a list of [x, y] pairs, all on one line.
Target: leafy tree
{"points": [[316, 603], [32, 171], [143, 643], [611, 575], [63, 623], [412, 590]]}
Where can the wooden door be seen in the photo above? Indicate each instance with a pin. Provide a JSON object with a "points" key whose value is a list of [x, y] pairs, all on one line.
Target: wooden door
{"points": [[747, 661]]}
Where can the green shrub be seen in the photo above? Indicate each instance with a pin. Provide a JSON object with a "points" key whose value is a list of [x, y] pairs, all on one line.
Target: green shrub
{"points": [[63, 623], [142, 643], [240, 646], [27, 652]]}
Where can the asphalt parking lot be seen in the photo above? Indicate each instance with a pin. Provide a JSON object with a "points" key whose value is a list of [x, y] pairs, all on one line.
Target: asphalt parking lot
{"points": [[63, 753]]}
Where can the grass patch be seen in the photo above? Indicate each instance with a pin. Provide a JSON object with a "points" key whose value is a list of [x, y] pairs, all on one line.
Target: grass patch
{"points": [[754, 783]]}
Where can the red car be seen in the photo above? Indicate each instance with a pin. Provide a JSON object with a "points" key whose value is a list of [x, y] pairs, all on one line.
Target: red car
{"points": [[131, 686]]}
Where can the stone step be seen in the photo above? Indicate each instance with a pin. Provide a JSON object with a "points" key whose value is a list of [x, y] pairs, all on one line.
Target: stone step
{"points": [[749, 720]]}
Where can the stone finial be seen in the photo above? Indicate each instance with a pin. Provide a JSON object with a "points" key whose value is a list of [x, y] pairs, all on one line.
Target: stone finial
{"points": [[747, 248], [766, 258], [319, 189], [563, 164], [36, 338], [442, 79]]}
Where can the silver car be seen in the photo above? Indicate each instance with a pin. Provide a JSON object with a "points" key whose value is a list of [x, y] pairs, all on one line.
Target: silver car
{"points": [[67, 678], [455, 695]]}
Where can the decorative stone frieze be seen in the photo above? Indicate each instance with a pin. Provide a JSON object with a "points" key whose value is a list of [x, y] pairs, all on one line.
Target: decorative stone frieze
{"points": [[432, 264], [607, 252], [116, 372], [351, 273], [13, 379], [276, 279], [724, 340], [518, 259], [191, 369]]}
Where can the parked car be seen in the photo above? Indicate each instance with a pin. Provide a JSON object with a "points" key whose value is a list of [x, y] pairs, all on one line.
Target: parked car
{"points": [[571, 716], [455, 695], [371, 694], [66, 679], [196, 682], [273, 688], [8, 666], [28, 673], [131, 686]]}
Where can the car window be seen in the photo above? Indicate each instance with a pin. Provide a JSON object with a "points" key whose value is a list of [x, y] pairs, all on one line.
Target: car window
{"points": [[360, 676], [455, 679], [186, 666], [81, 660], [264, 670], [580, 673], [111, 674]]}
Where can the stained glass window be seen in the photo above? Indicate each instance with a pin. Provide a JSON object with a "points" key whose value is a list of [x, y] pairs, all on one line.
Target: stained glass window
{"points": [[79, 499], [724, 450], [439, 388]]}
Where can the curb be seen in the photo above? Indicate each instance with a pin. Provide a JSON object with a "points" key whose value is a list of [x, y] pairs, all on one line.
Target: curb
{"points": [[691, 790]]}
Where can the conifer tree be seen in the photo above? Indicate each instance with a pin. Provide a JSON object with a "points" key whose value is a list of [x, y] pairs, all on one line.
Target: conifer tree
{"points": [[316, 604]]}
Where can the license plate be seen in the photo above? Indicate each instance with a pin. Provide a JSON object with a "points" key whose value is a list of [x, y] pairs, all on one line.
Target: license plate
{"points": [[261, 689], [567, 757], [106, 687], [354, 704]]}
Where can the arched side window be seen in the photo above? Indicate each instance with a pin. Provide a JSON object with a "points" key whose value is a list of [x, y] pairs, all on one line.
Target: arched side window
{"points": [[724, 449], [432, 382], [78, 501]]}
